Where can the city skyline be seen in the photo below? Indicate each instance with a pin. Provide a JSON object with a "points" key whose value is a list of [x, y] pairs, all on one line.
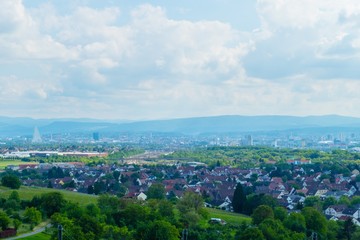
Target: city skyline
{"points": [[143, 60]]}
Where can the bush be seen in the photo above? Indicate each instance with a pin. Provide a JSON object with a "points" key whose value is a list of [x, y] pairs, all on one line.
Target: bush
{"points": [[11, 181]]}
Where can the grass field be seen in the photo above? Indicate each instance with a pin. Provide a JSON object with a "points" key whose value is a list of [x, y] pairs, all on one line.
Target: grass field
{"points": [[4, 163], [229, 217], [27, 193], [39, 236]]}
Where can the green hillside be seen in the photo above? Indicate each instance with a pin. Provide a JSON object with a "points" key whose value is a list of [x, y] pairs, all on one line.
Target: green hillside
{"points": [[229, 217], [27, 193]]}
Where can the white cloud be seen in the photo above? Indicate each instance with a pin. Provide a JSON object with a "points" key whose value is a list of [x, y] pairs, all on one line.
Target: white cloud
{"points": [[145, 64]]}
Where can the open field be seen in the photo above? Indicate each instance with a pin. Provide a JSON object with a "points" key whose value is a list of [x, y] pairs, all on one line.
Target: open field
{"points": [[229, 217], [28, 193], [39, 236], [4, 163]]}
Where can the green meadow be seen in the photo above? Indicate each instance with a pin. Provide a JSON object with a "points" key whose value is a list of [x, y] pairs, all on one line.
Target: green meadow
{"points": [[27, 193], [229, 217], [16, 162]]}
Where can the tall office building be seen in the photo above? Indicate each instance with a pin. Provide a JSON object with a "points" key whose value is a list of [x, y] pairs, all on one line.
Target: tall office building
{"points": [[36, 136], [96, 136]]}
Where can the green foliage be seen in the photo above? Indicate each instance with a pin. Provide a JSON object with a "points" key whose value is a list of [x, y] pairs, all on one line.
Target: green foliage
{"points": [[280, 213], [315, 221], [356, 235], [273, 229], [261, 213], [89, 224], [134, 214], [333, 230], [73, 231], [355, 200], [252, 233], [156, 191], [11, 181], [295, 222], [108, 204], [17, 223], [4, 220], [92, 209], [313, 201], [344, 200], [157, 230], [32, 216], [348, 229], [330, 201], [166, 210], [115, 233], [239, 199], [52, 202], [255, 200], [190, 202]]}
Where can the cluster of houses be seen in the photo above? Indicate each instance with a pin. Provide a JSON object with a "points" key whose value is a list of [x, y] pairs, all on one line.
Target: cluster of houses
{"points": [[216, 185]]}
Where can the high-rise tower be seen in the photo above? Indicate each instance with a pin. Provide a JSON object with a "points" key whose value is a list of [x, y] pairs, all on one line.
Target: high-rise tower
{"points": [[36, 136]]}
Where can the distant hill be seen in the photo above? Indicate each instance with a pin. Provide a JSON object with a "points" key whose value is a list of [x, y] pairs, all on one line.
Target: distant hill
{"points": [[200, 125]]}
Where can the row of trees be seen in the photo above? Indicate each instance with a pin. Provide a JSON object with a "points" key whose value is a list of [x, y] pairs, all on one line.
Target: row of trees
{"points": [[250, 156], [269, 223]]}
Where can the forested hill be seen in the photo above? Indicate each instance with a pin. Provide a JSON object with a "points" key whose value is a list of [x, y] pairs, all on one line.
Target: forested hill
{"points": [[216, 124]]}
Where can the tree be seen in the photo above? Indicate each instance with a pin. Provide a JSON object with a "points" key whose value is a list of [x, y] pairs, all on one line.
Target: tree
{"points": [[333, 230], [115, 233], [239, 199], [166, 209], [17, 223], [295, 222], [11, 181], [108, 204], [159, 230], [90, 224], [356, 235], [261, 213], [52, 202], [15, 196], [190, 202], [32, 216], [73, 231], [134, 214], [355, 200], [313, 201], [255, 200], [280, 213], [329, 201], [273, 229], [156, 191], [344, 200], [4, 220], [252, 233], [315, 221], [348, 229], [92, 210]]}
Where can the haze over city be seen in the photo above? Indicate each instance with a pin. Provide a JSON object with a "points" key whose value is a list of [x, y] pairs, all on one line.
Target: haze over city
{"points": [[171, 59]]}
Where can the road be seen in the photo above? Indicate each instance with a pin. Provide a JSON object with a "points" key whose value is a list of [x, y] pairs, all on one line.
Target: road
{"points": [[39, 230]]}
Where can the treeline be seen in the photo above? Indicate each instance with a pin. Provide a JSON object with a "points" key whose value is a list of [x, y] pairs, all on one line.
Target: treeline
{"points": [[115, 218], [250, 156], [162, 219], [271, 221], [275, 223]]}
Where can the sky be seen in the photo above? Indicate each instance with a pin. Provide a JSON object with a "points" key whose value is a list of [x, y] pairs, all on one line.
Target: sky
{"points": [[140, 60]]}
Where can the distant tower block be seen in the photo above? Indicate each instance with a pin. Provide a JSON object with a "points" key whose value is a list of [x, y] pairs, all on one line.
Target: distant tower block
{"points": [[96, 136], [250, 141], [36, 136]]}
